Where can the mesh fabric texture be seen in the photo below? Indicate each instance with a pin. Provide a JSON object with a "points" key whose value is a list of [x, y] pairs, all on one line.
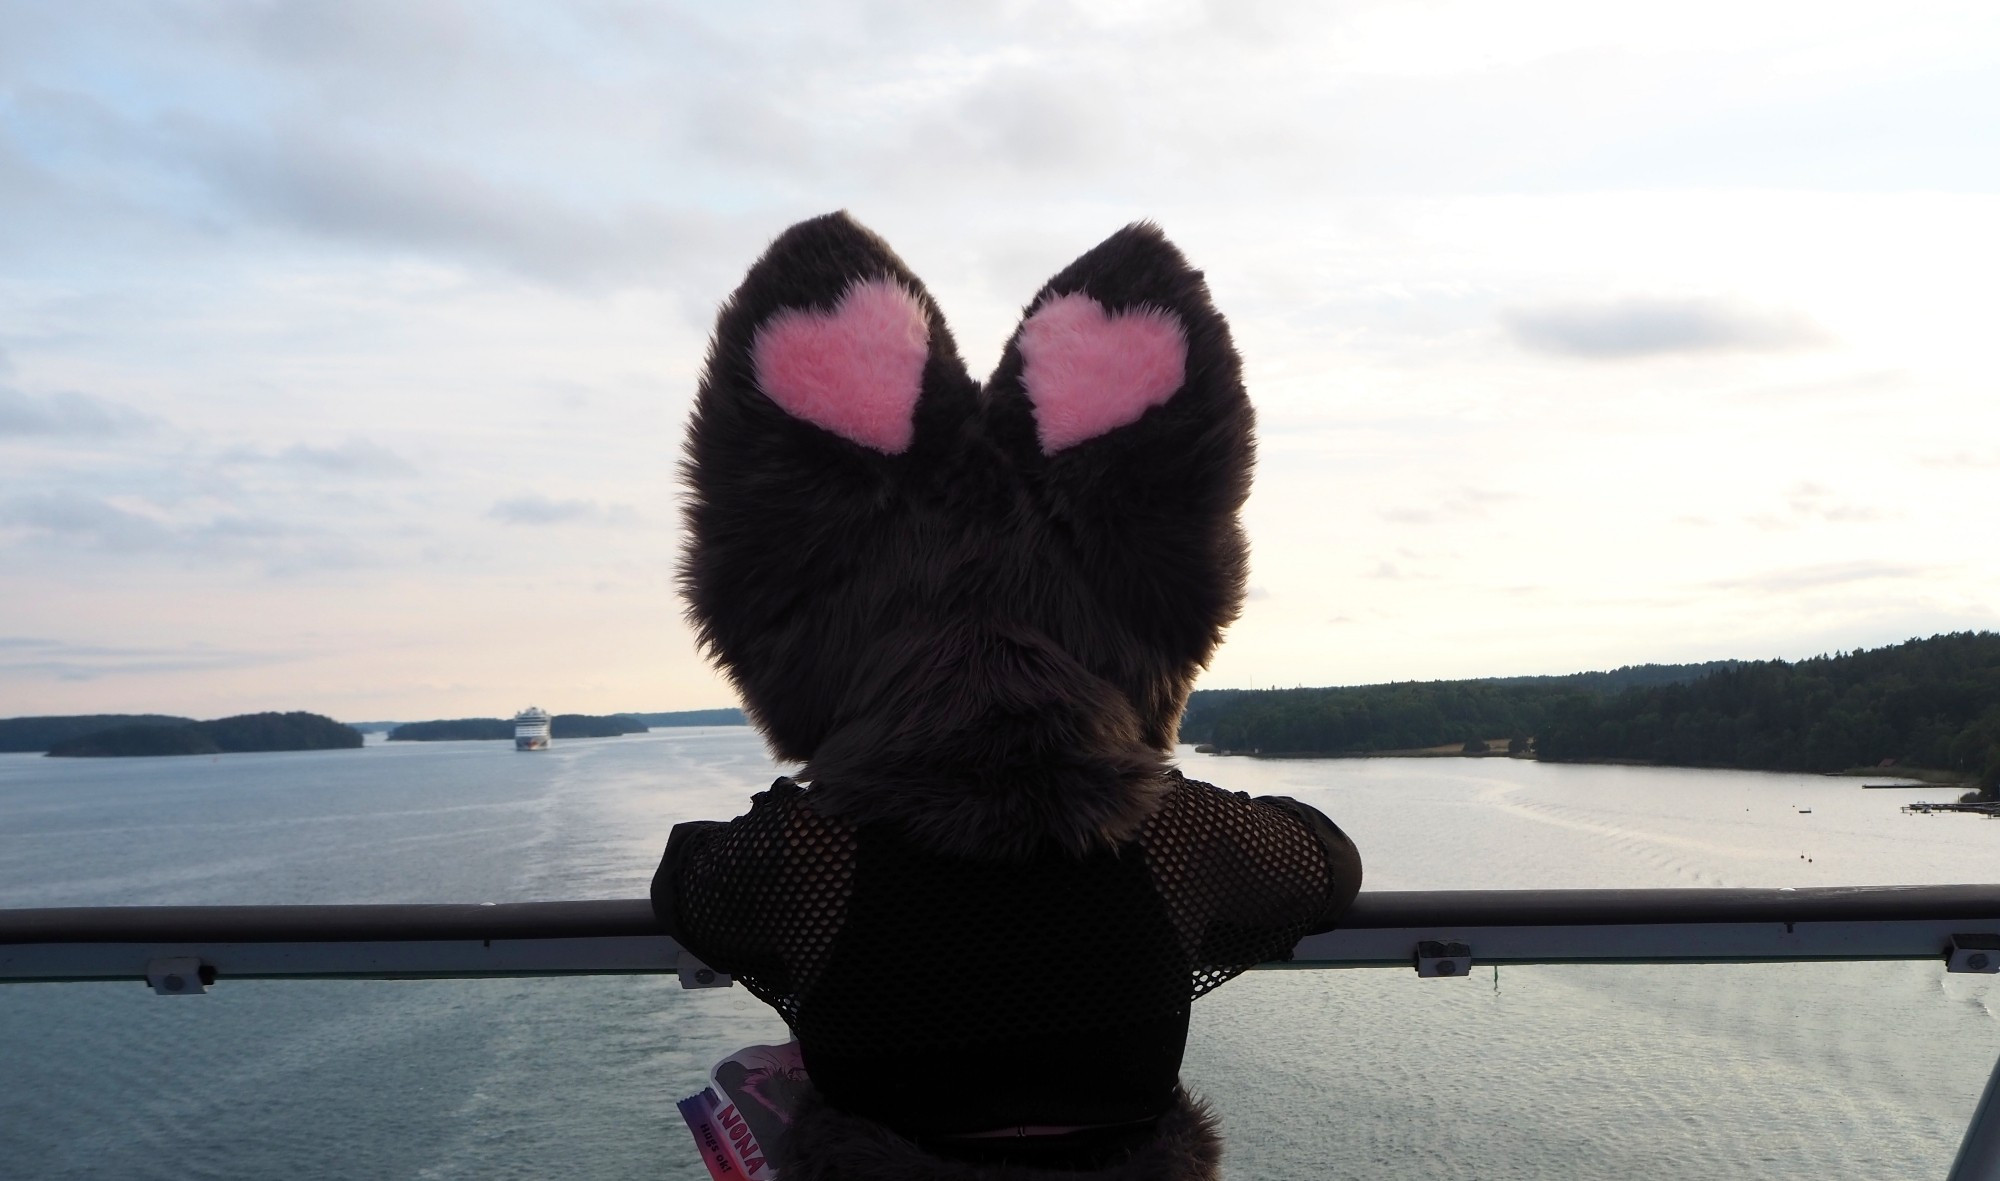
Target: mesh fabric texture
{"points": [[863, 941]]}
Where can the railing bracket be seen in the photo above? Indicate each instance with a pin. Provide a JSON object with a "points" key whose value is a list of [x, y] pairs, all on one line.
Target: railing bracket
{"points": [[1973, 953], [1443, 959], [695, 974], [179, 976]]}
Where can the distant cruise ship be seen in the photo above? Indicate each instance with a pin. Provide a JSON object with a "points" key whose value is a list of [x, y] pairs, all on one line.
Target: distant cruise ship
{"points": [[531, 729]]}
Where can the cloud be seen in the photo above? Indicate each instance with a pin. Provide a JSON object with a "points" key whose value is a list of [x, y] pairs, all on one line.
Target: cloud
{"points": [[1035, 121], [1808, 502], [747, 127], [1965, 459], [67, 415], [1814, 577], [1460, 504], [403, 40], [354, 457], [78, 520], [86, 519], [39, 657], [1811, 500], [313, 180], [1651, 327], [535, 509]]}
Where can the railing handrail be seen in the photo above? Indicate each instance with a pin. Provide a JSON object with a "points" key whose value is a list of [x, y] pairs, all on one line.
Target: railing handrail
{"points": [[331, 923], [607, 918], [1383, 928]]}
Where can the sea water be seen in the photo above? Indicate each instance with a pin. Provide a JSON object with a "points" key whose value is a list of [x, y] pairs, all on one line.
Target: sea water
{"points": [[1768, 1071]]}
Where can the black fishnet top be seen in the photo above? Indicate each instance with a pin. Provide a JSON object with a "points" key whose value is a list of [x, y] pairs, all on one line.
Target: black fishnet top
{"points": [[942, 995]]}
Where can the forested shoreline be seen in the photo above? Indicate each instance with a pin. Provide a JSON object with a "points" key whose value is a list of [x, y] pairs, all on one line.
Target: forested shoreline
{"points": [[489, 729], [1404, 715], [564, 725], [172, 734], [243, 733], [37, 734], [1928, 703], [1932, 703]]}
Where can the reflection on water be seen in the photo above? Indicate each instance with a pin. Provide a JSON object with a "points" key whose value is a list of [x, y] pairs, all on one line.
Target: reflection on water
{"points": [[1852, 1070]]}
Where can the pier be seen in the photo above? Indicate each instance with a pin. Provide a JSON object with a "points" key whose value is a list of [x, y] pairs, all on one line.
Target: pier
{"points": [[1983, 807]]}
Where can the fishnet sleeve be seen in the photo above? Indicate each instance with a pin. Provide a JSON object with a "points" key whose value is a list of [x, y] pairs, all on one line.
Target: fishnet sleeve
{"points": [[1244, 879], [762, 896]]}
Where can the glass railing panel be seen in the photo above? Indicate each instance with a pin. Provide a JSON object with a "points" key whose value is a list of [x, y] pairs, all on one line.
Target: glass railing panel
{"points": [[571, 1077], [1851, 1070], [1768, 1071]]}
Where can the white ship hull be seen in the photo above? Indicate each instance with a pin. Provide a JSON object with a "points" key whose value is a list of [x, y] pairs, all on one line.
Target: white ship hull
{"points": [[531, 729]]}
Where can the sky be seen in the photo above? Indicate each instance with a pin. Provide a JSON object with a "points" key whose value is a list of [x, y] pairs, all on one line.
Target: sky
{"points": [[345, 349]]}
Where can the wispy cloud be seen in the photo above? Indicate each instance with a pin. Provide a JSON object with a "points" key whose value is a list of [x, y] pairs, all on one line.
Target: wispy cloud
{"points": [[64, 661], [353, 457], [89, 520], [66, 414], [536, 509], [74, 520], [1030, 121], [1966, 459], [1815, 577], [1810, 503], [1454, 505], [1631, 328]]}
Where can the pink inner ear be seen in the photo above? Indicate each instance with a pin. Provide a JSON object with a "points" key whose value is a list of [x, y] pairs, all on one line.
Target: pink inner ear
{"points": [[1088, 372], [856, 372]]}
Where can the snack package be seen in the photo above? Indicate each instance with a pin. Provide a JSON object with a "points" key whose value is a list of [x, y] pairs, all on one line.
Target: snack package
{"points": [[740, 1120]]}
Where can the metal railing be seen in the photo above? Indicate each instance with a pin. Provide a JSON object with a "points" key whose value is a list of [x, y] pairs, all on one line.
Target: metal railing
{"points": [[185, 949]]}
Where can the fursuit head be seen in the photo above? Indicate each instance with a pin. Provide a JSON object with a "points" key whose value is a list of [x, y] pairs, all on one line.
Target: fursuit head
{"points": [[974, 608]]}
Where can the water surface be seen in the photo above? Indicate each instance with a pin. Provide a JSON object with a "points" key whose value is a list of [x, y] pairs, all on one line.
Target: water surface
{"points": [[1771, 1071]]}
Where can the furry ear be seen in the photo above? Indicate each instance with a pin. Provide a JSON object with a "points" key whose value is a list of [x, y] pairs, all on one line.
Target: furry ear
{"points": [[1120, 398], [832, 398]]}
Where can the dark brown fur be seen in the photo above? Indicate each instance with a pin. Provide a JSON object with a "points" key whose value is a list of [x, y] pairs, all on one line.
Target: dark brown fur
{"points": [[985, 645]]}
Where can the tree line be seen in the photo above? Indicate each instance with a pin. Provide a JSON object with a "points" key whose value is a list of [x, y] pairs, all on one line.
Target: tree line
{"points": [[296, 730], [1932, 703], [1404, 715], [489, 729], [20, 735]]}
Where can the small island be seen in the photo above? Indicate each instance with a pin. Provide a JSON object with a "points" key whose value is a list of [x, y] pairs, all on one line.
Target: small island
{"points": [[694, 717], [242, 733], [594, 726], [25, 735], [453, 730], [495, 729]]}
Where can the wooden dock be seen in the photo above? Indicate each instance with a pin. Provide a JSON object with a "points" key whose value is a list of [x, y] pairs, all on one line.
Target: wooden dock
{"points": [[1983, 807]]}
